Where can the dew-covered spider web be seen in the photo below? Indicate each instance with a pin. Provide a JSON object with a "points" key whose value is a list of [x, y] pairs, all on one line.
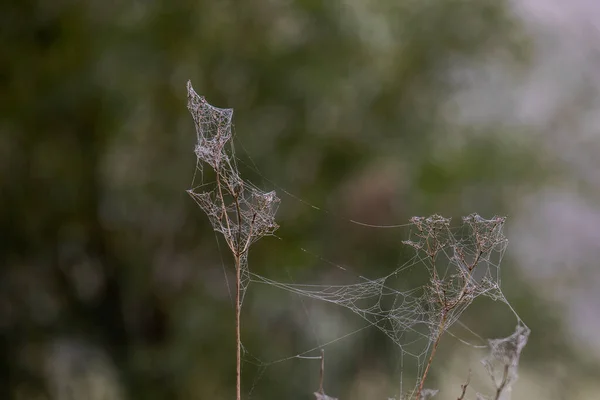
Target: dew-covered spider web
{"points": [[236, 208], [451, 264]]}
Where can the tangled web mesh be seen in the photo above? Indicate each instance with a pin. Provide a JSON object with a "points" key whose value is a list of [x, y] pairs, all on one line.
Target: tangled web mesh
{"points": [[467, 271], [460, 263], [237, 209], [504, 353]]}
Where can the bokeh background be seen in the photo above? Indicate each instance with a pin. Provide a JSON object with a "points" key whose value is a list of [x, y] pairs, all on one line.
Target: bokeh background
{"points": [[112, 283]]}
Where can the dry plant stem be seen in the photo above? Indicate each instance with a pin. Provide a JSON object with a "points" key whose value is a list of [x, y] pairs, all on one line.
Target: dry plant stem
{"points": [[238, 305], [435, 346], [238, 253], [500, 388], [464, 387], [238, 337], [447, 306], [322, 372], [224, 211]]}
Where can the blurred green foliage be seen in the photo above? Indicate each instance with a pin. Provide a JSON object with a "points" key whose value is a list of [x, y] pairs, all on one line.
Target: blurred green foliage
{"points": [[343, 103]]}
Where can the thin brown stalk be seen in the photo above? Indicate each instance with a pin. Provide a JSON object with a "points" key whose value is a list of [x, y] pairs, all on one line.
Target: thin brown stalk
{"points": [[238, 212], [500, 388], [238, 308], [447, 308], [464, 387], [431, 356], [322, 373], [238, 303], [238, 337], [224, 211]]}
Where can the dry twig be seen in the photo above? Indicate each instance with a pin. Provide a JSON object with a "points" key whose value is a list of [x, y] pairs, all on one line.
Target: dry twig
{"points": [[464, 387]]}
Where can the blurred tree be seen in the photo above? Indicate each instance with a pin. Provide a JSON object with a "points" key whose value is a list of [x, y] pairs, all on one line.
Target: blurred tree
{"points": [[348, 100]]}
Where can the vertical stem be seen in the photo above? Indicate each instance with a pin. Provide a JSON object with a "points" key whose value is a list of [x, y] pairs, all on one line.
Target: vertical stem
{"points": [[435, 346], [238, 300], [238, 337], [464, 387], [322, 372], [500, 388]]}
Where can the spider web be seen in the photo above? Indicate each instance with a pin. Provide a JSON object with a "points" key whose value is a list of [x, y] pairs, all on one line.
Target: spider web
{"points": [[461, 263], [236, 208], [460, 269]]}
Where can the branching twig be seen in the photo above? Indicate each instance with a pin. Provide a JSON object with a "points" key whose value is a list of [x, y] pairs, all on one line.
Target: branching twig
{"points": [[464, 387], [431, 356], [506, 352], [320, 394], [435, 236], [502, 385]]}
